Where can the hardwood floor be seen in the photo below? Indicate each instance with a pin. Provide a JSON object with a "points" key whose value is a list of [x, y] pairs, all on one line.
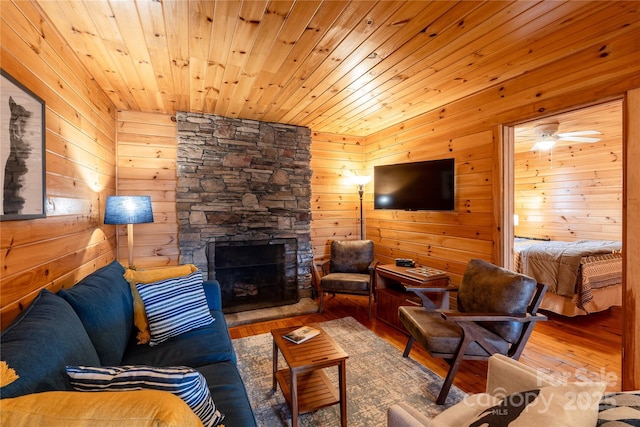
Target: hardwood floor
{"points": [[578, 348]]}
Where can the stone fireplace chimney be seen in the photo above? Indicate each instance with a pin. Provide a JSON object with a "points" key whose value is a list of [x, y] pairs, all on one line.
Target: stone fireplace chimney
{"points": [[244, 183]]}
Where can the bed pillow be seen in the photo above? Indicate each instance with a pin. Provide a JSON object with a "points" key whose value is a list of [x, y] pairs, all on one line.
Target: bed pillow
{"points": [[568, 405], [142, 408], [150, 276], [186, 383], [174, 306]]}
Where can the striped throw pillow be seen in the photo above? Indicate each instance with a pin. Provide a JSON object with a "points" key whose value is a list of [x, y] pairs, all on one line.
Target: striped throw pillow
{"points": [[186, 383], [621, 409], [174, 306]]}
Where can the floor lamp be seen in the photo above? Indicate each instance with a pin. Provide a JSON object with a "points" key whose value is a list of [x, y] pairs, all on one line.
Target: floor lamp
{"points": [[361, 181], [128, 210]]}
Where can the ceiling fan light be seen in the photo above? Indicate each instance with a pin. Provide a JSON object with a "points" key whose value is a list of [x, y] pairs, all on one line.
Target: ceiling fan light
{"points": [[544, 144]]}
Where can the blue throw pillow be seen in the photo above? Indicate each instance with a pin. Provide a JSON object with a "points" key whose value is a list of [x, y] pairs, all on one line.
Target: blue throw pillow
{"points": [[47, 336], [186, 383], [174, 306], [104, 304]]}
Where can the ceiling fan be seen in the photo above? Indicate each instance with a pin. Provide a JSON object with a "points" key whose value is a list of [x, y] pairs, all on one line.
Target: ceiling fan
{"points": [[547, 136]]}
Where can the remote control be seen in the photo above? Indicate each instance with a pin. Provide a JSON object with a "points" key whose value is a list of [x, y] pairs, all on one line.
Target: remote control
{"points": [[405, 262]]}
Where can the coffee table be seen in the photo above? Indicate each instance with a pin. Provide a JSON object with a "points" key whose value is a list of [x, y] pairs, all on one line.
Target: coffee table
{"points": [[304, 385]]}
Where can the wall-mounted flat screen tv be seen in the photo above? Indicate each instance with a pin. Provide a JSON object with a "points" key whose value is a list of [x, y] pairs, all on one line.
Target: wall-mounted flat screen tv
{"points": [[416, 186]]}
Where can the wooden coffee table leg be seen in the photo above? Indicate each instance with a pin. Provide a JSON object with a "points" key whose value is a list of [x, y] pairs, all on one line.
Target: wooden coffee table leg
{"points": [[342, 378], [294, 399], [275, 366]]}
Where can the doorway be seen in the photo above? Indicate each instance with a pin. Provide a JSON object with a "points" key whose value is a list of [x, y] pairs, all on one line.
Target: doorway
{"points": [[571, 192]]}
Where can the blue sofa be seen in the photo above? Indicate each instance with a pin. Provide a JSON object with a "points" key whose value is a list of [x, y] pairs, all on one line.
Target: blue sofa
{"points": [[92, 324]]}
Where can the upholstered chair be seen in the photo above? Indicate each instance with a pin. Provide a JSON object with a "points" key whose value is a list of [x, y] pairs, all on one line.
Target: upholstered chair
{"points": [[350, 270], [496, 312]]}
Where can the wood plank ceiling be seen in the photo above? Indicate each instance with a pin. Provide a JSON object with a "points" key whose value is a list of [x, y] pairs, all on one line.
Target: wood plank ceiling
{"points": [[349, 67]]}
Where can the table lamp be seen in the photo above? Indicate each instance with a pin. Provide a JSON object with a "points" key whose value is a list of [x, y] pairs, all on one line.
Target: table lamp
{"points": [[128, 210]]}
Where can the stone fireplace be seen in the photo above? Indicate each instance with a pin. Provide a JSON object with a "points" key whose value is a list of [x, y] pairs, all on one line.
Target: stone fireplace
{"points": [[243, 202]]}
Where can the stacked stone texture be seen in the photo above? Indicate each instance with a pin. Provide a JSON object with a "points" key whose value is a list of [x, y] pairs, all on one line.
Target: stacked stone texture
{"points": [[243, 180]]}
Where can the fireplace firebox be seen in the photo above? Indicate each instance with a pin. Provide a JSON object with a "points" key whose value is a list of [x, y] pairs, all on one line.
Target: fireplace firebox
{"points": [[254, 275]]}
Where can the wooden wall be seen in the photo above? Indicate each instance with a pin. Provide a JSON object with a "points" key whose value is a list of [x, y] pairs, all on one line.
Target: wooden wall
{"points": [[573, 191], [444, 240], [147, 147], [579, 197], [335, 203], [71, 242]]}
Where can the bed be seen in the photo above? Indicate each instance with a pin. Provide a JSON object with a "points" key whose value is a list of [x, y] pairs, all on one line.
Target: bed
{"points": [[584, 276]]}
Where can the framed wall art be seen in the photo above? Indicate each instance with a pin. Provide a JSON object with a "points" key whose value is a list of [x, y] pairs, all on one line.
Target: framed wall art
{"points": [[22, 151]]}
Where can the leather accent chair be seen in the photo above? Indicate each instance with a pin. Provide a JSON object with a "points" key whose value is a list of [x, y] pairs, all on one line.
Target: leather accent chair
{"points": [[496, 312], [350, 270]]}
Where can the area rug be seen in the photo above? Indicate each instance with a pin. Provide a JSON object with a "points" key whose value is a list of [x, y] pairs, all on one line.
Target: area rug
{"points": [[377, 377]]}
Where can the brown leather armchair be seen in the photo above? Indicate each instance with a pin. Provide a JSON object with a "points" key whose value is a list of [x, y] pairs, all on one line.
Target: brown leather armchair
{"points": [[350, 270], [497, 310]]}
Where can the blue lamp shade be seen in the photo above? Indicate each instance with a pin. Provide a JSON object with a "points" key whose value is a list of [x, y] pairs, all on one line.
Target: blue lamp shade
{"points": [[128, 210]]}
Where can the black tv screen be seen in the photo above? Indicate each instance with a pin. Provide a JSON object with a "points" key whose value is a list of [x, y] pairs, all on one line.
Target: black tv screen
{"points": [[415, 186]]}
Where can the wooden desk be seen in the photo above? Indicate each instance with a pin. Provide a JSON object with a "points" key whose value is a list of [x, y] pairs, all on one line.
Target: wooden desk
{"points": [[304, 385], [393, 282]]}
